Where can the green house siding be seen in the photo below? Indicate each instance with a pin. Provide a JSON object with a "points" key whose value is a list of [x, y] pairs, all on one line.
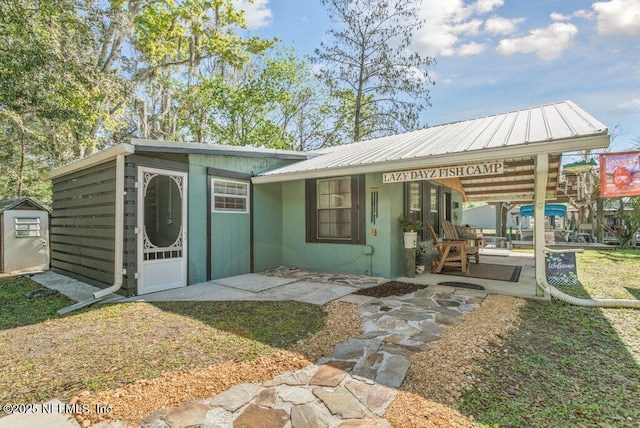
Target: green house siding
{"points": [[383, 252], [230, 244], [386, 258], [267, 226], [198, 217], [230, 233]]}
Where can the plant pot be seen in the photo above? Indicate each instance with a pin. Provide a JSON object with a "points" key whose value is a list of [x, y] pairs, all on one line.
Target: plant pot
{"points": [[419, 269], [410, 239]]}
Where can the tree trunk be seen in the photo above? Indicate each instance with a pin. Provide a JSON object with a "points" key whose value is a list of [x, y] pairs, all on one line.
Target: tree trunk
{"points": [[358, 112], [600, 215], [21, 166]]}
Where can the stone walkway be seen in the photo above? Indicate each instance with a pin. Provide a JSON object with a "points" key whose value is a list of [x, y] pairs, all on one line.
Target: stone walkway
{"points": [[351, 389]]}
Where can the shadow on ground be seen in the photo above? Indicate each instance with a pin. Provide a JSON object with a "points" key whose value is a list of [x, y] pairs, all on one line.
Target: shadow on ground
{"points": [[24, 302], [278, 324], [563, 366]]}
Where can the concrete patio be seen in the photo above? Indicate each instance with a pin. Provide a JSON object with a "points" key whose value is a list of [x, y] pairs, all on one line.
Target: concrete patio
{"points": [[525, 287], [260, 287]]}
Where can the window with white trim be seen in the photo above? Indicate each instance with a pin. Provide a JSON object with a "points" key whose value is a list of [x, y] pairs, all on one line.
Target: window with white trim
{"points": [[26, 227], [230, 196]]}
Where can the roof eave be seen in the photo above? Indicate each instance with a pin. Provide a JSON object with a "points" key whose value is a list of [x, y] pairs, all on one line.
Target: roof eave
{"points": [[591, 142], [161, 146], [97, 159]]}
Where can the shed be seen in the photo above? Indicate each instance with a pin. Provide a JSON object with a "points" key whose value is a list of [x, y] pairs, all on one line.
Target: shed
{"points": [[24, 236]]}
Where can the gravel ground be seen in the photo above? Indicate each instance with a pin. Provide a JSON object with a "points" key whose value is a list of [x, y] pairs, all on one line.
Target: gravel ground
{"points": [[343, 322], [442, 373], [135, 401], [449, 366]]}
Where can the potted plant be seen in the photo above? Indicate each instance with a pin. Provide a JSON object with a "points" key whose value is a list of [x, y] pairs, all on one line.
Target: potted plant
{"points": [[421, 253], [410, 229]]}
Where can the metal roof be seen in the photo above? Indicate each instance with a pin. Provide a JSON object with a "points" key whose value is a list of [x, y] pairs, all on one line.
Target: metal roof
{"points": [[552, 128], [158, 146]]}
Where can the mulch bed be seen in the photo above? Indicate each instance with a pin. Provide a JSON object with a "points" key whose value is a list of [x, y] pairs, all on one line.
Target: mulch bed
{"points": [[391, 288]]}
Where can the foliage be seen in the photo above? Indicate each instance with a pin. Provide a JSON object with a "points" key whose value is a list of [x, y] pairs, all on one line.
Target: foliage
{"points": [[421, 252], [627, 219], [50, 89], [261, 104], [368, 66], [410, 225], [79, 75]]}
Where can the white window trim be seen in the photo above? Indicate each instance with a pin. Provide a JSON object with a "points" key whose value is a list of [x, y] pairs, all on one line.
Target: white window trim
{"points": [[27, 232], [214, 194]]}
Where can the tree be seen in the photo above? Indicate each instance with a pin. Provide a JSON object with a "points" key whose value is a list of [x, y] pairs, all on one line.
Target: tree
{"points": [[48, 90], [273, 101], [184, 47], [627, 219], [79, 75], [369, 66]]}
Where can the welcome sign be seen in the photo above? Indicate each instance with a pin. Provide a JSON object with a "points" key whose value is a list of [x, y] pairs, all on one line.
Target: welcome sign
{"points": [[561, 268], [472, 170]]}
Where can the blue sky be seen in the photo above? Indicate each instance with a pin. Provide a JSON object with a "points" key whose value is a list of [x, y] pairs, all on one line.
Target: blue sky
{"points": [[495, 56]]}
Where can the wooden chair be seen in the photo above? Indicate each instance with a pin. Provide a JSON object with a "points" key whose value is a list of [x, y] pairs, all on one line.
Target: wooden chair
{"points": [[451, 233], [450, 254]]}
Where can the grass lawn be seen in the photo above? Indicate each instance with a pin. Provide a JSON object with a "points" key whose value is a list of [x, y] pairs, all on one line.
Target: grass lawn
{"points": [[106, 346], [565, 365]]}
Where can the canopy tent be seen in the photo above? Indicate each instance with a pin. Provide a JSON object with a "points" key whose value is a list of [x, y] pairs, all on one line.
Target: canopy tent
{"points": [[557, 210]]}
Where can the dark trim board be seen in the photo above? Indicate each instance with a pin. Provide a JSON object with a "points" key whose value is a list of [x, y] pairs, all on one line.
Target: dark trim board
{"points": [[208, 217], [219, 152], [225, 173]]}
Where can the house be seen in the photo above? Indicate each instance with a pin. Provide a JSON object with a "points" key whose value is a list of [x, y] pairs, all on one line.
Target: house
{"points": [[484, 216], [24, 236], [146, 216]]}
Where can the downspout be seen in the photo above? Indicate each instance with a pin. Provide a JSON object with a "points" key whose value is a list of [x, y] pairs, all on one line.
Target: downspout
{"points": [[542, 172], [118, 267]]}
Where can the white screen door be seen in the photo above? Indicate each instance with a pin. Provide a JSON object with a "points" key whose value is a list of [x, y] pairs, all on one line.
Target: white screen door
{"points": [[162, 230]]}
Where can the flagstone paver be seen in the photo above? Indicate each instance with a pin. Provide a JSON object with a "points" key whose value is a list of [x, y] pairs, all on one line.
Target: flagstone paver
{"points": [[352, 388]]}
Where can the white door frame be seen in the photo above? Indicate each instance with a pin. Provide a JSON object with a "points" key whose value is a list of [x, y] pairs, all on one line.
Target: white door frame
{"points": [[172, 270]]}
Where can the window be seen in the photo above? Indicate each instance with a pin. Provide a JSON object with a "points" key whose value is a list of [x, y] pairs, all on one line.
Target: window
{"points": [[335, 210], [230, 196], [26, 227], [434, 206], [423, 201]]}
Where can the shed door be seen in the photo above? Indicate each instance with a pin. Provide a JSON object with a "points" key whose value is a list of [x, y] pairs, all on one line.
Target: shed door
{"points": [[162, 227], [26, 241]]}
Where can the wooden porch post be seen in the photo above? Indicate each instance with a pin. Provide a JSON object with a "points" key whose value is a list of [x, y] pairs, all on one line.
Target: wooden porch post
{"points": [[540, 190]]}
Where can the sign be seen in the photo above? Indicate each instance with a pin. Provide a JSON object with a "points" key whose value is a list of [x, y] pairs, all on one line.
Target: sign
{"points": [[619, 174], [444, 172], [561, 268]]}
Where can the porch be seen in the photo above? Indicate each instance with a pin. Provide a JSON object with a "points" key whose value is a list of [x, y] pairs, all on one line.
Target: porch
{"points": [[525, 286]]}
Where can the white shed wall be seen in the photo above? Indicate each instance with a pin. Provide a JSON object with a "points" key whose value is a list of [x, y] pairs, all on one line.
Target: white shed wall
{"points": [[28, 254]]}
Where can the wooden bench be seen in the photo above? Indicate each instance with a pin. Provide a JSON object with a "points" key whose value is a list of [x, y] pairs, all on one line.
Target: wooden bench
{"points": [[458, 233], [450, 254]]}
